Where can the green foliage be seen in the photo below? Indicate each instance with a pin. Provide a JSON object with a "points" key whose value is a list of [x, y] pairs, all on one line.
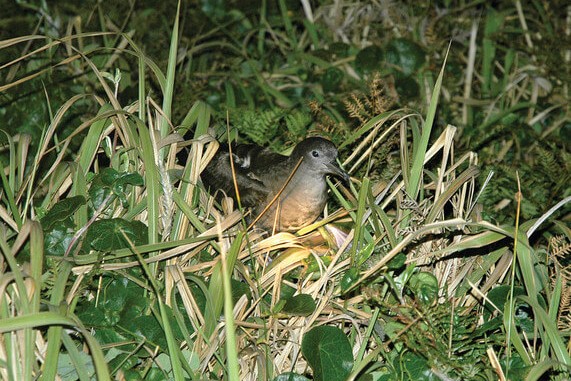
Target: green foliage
{"points": [[124, 318], [369, 59], [425, 287], [299, 305], [59, 227], [443, 340], [544, 177], [438, 281], [407, 56], [271, 127], [110, 182], [260, 127], [328, 352], [115, 233], [62, 212]]}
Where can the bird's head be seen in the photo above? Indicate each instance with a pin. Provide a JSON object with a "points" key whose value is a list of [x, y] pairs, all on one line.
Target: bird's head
{"points": [[319, 157]]}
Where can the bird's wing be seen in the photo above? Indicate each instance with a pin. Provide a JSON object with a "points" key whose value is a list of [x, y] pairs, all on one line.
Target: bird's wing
{"points": [[218, 176], [263, 165]]}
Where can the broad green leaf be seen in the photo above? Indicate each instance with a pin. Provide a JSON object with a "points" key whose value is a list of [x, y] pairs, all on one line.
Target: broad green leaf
{"points": [[515, 367], [398, 262], [425, 287], [331, 79], [148, 327], [499, 296], [328, 352], [416, 368], [57, 240], [300, 305], [349, 278], [61, 211], [113, 336], [369, 59], [407, 87], [111, 181], [406, 55], [67, 369], [108, 235]]}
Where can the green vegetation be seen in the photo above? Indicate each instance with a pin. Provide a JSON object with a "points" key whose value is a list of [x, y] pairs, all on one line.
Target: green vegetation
{"points": [[452, 118]]}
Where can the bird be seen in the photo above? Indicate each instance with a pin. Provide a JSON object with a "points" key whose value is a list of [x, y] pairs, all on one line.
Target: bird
{"points": [[261, 174]]}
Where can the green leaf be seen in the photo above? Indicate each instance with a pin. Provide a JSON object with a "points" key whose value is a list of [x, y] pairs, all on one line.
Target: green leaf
{"points": [[300, 305], [314, 266], [261, 126], [111, 181], [349, 278], [397, 262], [417, 368], [499, 296], [67, 369], [331, 79], [406, 55], [111, 336], [108, 176], [61, 212], [249, 68], [328, 352], [365, 252], [91, 315], [57, 240], [518, 370], [407, 87], [297, 123], [109, 235], [425, 287], [369, 59], [156, 374], [123, 360], [339, 49], [239, 289], [147, 326], [120, 303]]}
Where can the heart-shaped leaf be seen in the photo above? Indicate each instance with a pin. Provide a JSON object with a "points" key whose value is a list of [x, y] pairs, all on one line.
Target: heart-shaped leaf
{"points": [[108, 235], [328, 352], [300, 305]]}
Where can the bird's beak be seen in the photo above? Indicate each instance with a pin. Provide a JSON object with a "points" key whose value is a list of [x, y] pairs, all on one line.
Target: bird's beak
{"points": [[334, 169]]}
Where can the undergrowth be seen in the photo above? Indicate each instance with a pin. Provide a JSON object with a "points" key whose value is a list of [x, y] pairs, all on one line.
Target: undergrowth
{"points": [[451, 257]]}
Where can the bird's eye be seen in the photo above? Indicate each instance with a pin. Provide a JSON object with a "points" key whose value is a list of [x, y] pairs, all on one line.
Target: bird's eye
{"points": [[314, 153]]}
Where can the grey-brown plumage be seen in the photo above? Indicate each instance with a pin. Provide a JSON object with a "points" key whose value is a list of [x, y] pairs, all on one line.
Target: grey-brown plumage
{"points": [[261, 174]]}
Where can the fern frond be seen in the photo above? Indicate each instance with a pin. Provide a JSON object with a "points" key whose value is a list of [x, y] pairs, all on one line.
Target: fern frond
{"points": [[259, 126], [297, 123]]}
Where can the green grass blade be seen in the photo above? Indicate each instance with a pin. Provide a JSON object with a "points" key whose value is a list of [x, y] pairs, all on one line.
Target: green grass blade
{"points": [[175, 355], [9, 192], [55, 332], [413, 187], [227, 259], [550, 328], [75, 357], [216, 288], [43, 319], [171, 68], [152, 181], [359, 223]]}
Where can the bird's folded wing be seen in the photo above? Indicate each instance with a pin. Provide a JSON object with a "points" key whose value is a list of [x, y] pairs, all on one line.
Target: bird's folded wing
{"points": [[218, 176], [269, 168]]}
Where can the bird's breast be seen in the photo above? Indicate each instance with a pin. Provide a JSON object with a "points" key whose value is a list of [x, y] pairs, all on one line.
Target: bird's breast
{"points": [[300, 204]]}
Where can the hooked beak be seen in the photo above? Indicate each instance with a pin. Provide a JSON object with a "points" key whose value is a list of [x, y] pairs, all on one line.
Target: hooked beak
{"points": [[334, 169]]}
